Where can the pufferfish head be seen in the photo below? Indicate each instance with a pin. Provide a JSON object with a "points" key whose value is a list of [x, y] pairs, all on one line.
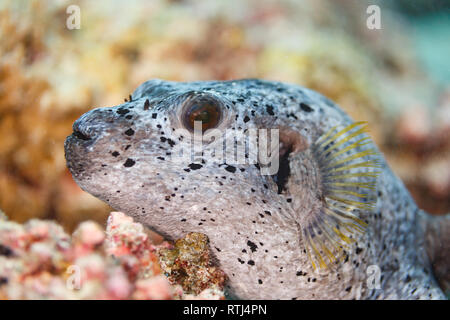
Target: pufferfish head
{"points": [[180, 157]]}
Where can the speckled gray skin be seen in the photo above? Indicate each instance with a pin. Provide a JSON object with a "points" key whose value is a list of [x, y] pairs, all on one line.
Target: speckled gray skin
{"points": [[122, 155]]}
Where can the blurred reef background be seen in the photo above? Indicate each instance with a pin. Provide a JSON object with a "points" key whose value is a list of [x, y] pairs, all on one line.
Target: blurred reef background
{"points": [[396, 78]]}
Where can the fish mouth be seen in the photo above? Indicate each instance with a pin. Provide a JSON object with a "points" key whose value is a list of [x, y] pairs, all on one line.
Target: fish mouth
{"points": [[77, 147], [80, 140], [79, 133]]}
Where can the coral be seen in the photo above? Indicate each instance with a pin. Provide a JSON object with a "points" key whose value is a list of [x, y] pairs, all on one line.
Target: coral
{"points": [[420, 150], [188, 264], [38, 260]]}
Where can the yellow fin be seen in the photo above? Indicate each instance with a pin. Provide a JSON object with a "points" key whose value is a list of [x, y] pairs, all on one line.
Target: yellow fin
{"points": [[348, 168]]}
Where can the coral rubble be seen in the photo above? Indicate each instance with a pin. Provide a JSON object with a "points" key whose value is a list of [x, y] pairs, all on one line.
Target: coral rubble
{"points": [[38, 260]]}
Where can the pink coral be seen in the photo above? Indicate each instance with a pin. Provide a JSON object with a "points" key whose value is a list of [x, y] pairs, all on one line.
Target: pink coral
{"points": [[156, 288], [39, 260]]}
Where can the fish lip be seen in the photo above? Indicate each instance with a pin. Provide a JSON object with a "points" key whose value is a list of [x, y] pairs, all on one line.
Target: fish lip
{"points": [[76, 152], [79, 133], [79, 142]]}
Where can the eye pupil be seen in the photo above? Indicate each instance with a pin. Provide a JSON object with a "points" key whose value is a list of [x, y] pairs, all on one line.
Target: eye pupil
{"points": [[207, 112], [203, 116]]}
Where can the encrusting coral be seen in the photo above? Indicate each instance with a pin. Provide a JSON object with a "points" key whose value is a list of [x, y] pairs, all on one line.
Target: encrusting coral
{"points": [[38, 260], [188, 264]]}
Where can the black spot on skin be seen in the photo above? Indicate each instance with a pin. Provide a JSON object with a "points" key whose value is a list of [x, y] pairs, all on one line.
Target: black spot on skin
{"points": [[122, 111], [246, 119], [129, 132], [163, 139], [146, 105], [115, 154], [289, 200], [306, 107], [252, 246], [129, 163], [160, 158], [241, 261], [260, 281], [187, 170], [408, 278], [127, 147], [154, 115], [218, 249], [358, 250], [251, 262], [348, 289], [267, 212], [171, 142], [195, 166], [230, 169], [269, 110]]}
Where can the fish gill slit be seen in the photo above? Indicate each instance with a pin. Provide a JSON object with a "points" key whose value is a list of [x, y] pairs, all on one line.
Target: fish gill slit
{"points": [[284, 170]]}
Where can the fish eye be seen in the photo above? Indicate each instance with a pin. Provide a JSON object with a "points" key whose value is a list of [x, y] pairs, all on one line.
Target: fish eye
{"points": [[203, 109]]}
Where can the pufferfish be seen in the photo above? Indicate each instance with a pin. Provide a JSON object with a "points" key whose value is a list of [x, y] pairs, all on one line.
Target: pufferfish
{"points": [[331, 222]]}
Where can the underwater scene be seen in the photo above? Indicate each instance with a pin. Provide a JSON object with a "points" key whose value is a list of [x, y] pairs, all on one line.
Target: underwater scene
{"points": [[115, 177]]}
